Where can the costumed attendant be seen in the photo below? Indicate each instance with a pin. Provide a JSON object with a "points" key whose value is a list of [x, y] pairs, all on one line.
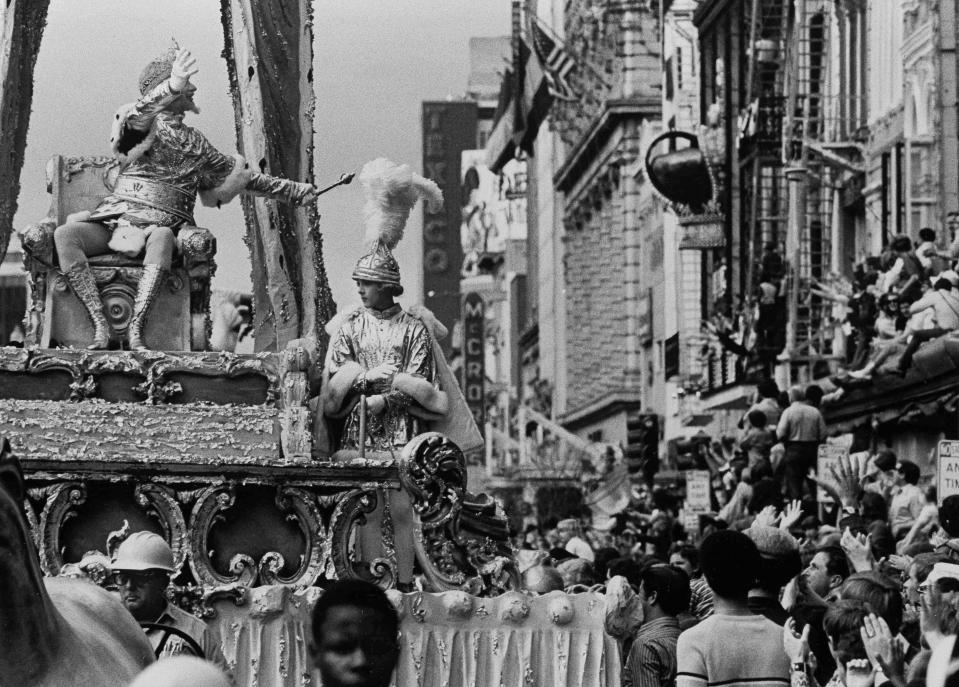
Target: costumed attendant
{"points": [[388, 356], [164, 164]]}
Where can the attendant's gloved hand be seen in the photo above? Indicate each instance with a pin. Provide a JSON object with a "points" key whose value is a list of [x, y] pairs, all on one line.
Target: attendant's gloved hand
{"points": [[382, 375], [184, 67]]}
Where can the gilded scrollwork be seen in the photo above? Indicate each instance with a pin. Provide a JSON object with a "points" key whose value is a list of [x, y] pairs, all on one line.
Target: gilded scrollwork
{"points": [[47, 362], [83, 389], [37, 242], [350, 512], [461, 540], [13, 359], [60, 506], [199, 600], [206, 513], [301, 507], [160, 502], [156, 368], [196, 245], [73, 165], [33, 522], [433, 472]]}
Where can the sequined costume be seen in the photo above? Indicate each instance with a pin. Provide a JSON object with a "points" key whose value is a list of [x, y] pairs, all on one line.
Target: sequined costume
{"points": [[165, 164], [169, 162], [369, 338]]}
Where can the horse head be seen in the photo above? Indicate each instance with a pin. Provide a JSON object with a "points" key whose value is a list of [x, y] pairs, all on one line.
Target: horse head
{"points": [[15, 540], [56, 631], [27, 615]]}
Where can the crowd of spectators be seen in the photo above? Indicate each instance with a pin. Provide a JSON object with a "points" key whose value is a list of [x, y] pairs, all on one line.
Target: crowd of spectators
{"points": [[772, 587]]}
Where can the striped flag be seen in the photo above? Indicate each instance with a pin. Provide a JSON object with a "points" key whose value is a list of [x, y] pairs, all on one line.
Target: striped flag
{"points": [[557, 63]]}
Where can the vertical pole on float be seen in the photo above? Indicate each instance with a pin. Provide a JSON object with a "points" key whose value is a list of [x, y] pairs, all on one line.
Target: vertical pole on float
{"points": [[362, 426]]}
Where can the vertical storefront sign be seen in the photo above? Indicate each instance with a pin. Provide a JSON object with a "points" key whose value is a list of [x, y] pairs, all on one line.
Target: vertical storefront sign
{"points": [[449, 128], [474, 356]]}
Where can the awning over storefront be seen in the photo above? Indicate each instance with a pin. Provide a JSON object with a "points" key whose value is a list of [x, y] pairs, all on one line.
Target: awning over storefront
{"points": [[931, 385]]}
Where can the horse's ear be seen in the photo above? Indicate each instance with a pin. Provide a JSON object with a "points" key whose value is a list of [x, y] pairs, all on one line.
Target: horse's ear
{"points": [[11, 474]]}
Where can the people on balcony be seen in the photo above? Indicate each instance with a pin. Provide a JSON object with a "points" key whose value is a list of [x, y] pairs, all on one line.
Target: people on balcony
{"points": [[906, 274], [928, 253], [943, 301], [165, 163]]}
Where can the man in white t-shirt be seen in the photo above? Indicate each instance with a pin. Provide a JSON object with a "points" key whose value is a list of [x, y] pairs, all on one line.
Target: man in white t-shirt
{"points": [[732, 647]]}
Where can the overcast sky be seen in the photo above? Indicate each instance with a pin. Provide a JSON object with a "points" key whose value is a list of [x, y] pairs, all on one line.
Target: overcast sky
{"points": [[375, 61]]}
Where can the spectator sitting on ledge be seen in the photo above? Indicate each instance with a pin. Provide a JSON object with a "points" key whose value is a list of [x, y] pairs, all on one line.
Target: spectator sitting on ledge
{"points": [[944, 301]]}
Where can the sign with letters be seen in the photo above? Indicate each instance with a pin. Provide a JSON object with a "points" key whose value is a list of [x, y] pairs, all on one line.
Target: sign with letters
{"points": [[697, 491], [449, 128], [828, 457], [947, 469], [474, 355]]}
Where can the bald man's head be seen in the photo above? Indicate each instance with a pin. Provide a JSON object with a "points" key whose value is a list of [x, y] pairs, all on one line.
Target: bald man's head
{"points": [[181, 671], [542, 579]]}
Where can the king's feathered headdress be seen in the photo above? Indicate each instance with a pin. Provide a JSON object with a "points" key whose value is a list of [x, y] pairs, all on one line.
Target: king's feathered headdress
{"points": [[391, 192]]}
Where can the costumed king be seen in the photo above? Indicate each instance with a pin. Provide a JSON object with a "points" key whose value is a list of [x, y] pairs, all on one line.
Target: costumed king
{"points": [[387, 357], [164, 164]]}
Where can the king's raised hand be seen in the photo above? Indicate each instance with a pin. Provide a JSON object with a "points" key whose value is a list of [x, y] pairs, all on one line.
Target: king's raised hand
{"points": [[184, 67]]}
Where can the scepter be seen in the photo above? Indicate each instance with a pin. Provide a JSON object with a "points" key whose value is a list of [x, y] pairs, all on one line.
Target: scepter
{"points": [[344, 180]]}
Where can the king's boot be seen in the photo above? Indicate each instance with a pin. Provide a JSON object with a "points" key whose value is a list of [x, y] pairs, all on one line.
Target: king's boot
{"points": [[80, 278], [147, 290]]}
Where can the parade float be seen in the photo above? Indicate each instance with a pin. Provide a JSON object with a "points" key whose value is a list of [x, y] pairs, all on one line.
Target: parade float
{"points": [[226, 455]]}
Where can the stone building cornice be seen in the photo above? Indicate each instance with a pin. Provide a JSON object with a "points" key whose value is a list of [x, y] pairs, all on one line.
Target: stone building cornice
{"points": [[601, 408], [585, 151]]}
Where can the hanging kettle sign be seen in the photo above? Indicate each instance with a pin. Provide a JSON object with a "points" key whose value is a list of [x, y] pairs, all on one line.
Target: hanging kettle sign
{"points": [[683, 178]]}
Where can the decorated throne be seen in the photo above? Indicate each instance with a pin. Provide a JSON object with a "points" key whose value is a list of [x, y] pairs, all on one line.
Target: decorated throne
{"points": [[56, 317]]}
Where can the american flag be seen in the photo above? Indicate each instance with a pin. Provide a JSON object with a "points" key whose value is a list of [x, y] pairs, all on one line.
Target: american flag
{"points": [[557, 63]]}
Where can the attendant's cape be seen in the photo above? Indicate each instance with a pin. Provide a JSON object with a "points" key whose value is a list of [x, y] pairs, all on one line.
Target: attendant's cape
{"points": [[444, 410]]}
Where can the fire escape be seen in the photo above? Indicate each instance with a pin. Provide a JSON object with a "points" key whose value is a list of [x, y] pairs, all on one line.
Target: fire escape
{"points": [[823, 109], [764, 205]]}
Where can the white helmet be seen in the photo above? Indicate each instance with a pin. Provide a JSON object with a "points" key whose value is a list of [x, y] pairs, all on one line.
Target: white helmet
{"points": [[144, 551]]}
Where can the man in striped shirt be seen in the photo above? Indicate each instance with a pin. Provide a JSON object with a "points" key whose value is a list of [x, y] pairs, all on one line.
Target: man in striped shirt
{"points": [[732, 647], [664, 593]]}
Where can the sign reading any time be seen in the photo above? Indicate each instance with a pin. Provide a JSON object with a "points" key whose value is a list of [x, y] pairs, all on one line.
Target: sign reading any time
{"points": [[697, 491], [947, 468]]}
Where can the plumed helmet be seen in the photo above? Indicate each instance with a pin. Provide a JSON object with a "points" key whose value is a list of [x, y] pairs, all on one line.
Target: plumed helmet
{"points": [[159, 70], [144, 551], [379, 265], [391, 191]]}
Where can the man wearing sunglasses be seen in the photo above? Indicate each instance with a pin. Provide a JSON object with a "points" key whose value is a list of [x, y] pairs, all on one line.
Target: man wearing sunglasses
{"points": [[142, 567]]}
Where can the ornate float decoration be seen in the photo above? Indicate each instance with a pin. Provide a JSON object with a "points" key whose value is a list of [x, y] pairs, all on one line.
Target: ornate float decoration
{"points": [[215, 451]]}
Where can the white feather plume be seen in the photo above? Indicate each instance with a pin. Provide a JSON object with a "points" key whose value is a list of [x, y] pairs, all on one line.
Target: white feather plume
{"points": [[391, 192]]}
